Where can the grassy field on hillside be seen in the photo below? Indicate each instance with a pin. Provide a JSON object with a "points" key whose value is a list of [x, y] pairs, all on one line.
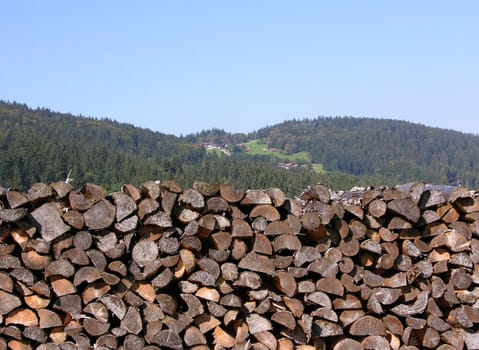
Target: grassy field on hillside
{"points": [[256, 147], [318, 168]]}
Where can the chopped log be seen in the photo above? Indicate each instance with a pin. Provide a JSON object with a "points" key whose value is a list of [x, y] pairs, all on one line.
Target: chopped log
{"points": [[93, 192], [375, 342], [11, 216], [193, 336], [61, 188], [131, 191], [259, 224], [222, 338], [358, 229], [349, 246], [406, 208], [127, 225], [206, 189], [317, 192], [284, 318], [62, 286], [305, 255], [186, 215], [285, 283], [168, 245], [347, 317], [266, 339], [324, 266], [36, 334], [87, 274], [431, 198], [16, 199], [192, 199], [49, 319], [100, 216], [6, 282], [355, 210], [257, 323], [368, 325], [145, 252], [348, 344], [95, 327], [241, 229], [18, 345], [269, 212], [97, 258], [257, 263], [132, 321], [8, 302], [38, 192], [324, 328], [377, 208], [35, 261], [169, 339], [209, 294], [349, 301], [255, 197], [125, 205], [50, 223], [159, 219], [167, 303], [21, 238], [150, 189], [278, 228], [451, 239], [330, 285], [230, 194], [36, 302], [23, 317], [115, 305], [277, 196], [418, 307], [216, 205], [203, 278], [146, 207], [286, 242], [78, 201]]}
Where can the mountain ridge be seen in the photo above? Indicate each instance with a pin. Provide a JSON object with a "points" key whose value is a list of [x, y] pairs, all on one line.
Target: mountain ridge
{"points": [[39, 145]]}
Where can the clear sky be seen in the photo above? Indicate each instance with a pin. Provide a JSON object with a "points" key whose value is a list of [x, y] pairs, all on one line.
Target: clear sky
{"points": [[182, 66]]}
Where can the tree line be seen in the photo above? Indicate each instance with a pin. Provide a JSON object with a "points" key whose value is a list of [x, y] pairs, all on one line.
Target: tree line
{"points": [[40, 145]]}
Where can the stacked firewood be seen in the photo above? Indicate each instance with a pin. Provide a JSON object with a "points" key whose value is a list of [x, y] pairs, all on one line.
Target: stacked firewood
{"points": [[158, 267]]}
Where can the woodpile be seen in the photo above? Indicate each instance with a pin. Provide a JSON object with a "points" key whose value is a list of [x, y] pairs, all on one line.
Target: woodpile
{"points": [[158, 267]]}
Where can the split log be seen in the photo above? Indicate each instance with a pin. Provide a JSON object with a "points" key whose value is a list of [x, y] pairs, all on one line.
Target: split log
{"points": [[230, 194], [100, 216], [50, 223]]}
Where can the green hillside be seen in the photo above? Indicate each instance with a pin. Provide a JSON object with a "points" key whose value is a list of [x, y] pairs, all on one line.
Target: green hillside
{"points": [[397, 150], [256, 147], [39, 145]]}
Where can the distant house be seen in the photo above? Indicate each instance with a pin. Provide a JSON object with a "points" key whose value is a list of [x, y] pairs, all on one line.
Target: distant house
{"points": [[213, 146], [288, 165], [271, 149]]}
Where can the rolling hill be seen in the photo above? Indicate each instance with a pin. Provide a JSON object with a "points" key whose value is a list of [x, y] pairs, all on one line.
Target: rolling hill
{"points": [[39, 145]]}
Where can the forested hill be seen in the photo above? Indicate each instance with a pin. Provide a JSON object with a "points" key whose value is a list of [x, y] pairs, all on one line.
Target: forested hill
{"points": [[39, 145], [366, 146], [391, 150]]}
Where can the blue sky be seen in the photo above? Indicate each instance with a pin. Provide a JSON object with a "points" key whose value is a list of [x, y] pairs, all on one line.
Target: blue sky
{"points": [[182, 66]]}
